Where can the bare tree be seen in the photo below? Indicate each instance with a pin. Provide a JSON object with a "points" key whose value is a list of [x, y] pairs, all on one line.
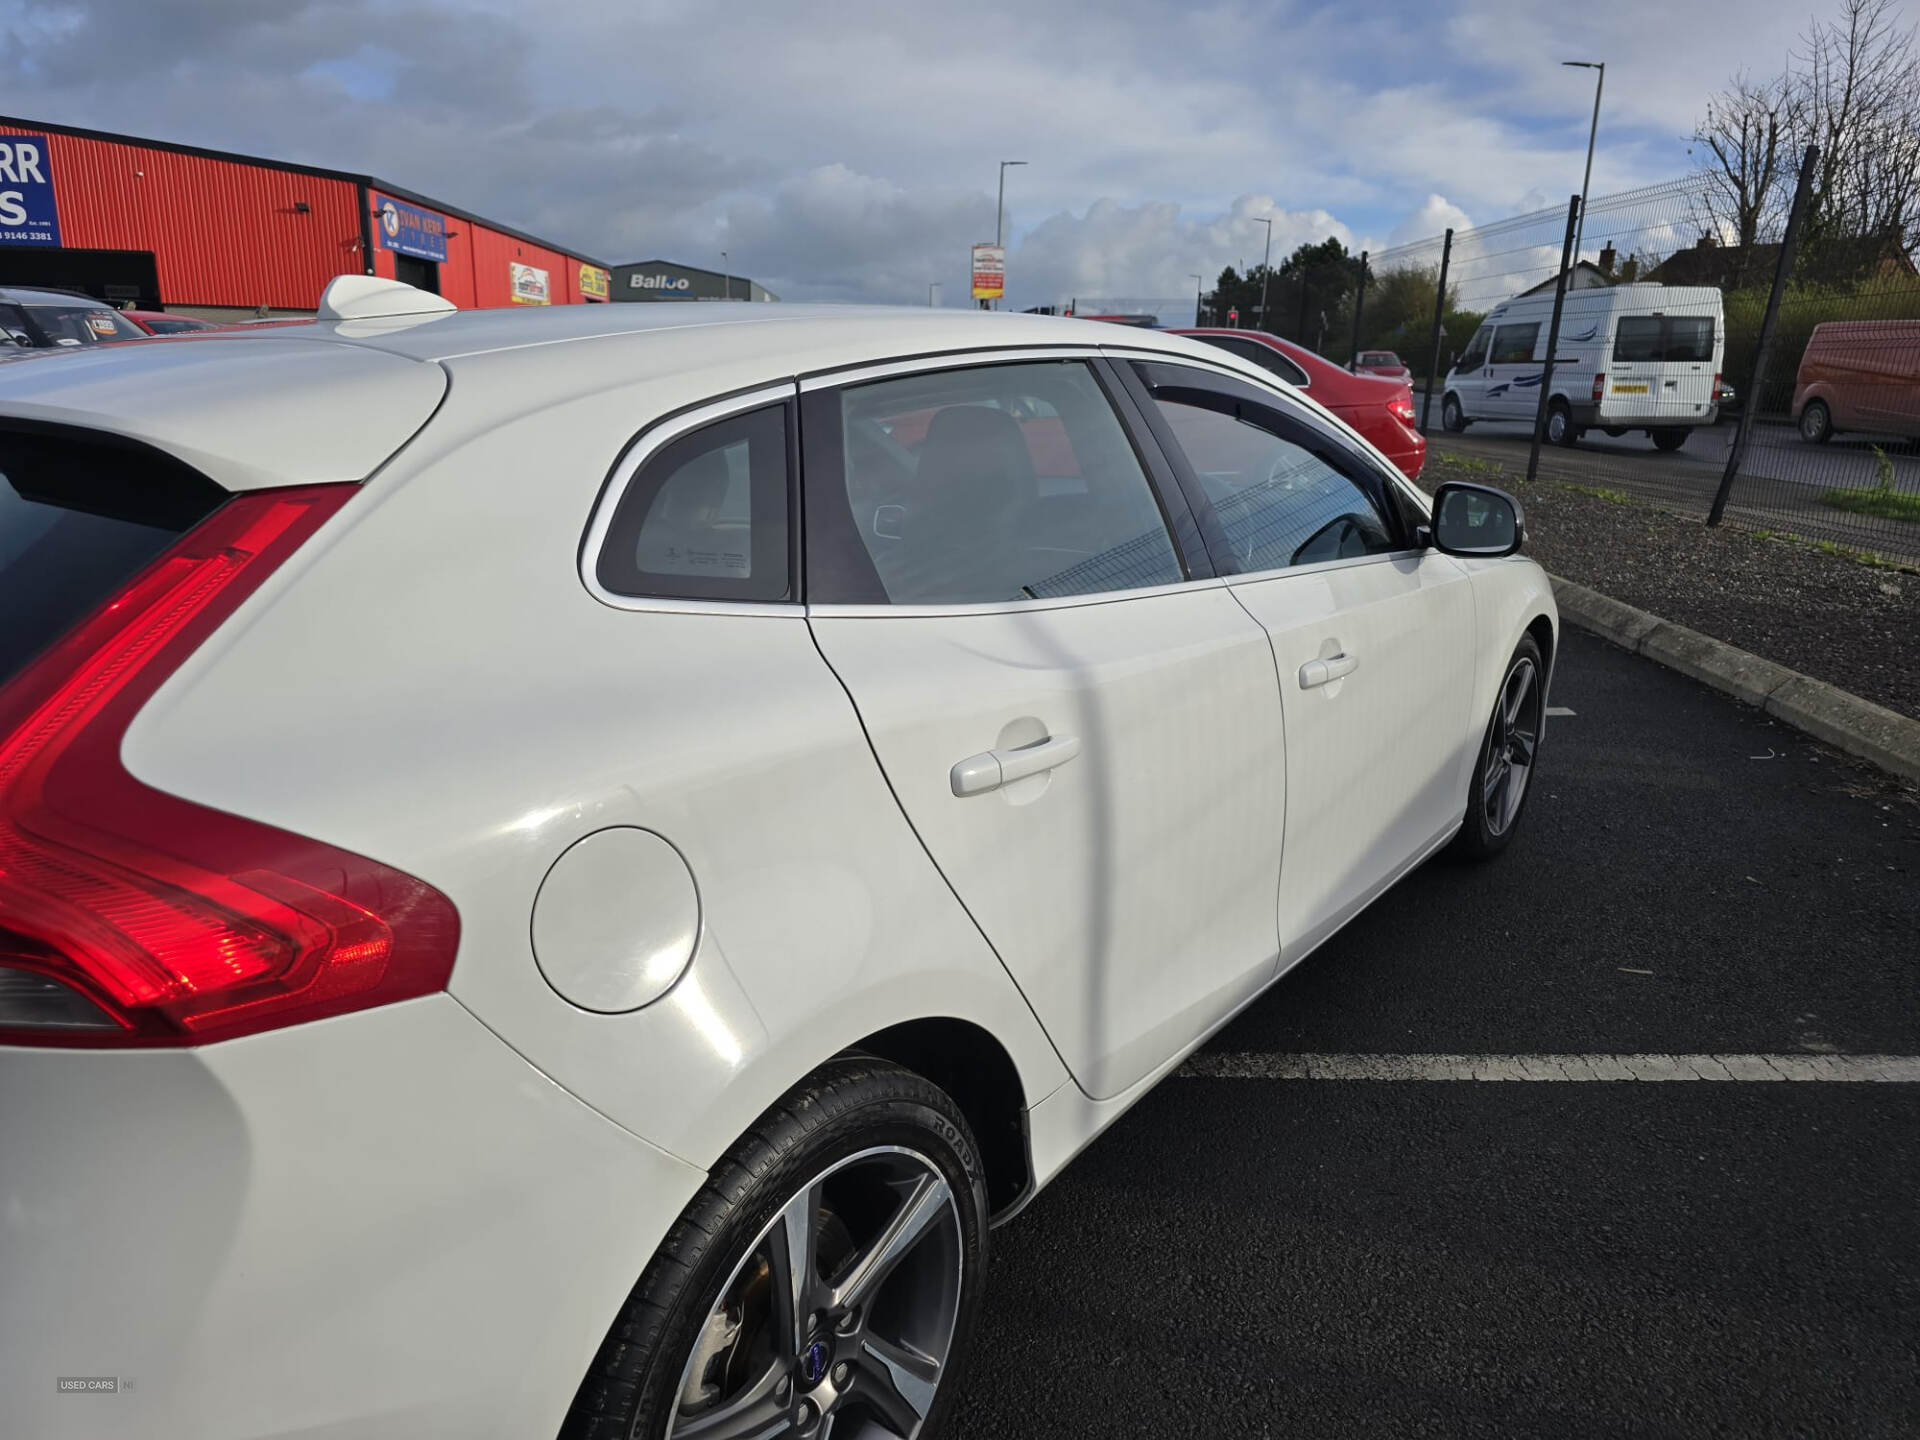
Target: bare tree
{"points": [[1855, 92], [1748, 132]]}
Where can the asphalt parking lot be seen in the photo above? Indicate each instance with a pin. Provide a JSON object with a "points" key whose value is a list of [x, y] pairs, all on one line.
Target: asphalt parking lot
{"points": [[1260, 1256]]}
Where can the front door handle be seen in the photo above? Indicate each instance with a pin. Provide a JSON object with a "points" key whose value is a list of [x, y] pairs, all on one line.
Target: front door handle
{"points": [[1319, 672], [990, 769]]}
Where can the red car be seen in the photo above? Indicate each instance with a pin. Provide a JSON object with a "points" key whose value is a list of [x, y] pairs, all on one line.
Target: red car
{"points": [[1384, 363], [1381, 410], [159, 322]]}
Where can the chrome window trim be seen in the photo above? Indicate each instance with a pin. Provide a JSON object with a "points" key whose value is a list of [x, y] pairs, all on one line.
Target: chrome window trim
{"points": [[650, 442], [1281, 572], [1012, 607], [945, 360]]}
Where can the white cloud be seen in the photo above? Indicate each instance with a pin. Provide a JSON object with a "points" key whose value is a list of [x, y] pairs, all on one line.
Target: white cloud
{"points": [[1436, 215], [849, 151]]}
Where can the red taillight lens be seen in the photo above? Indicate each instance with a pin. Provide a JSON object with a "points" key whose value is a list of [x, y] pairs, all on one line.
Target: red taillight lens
{"points": [[1403, 411], [179, 924], [1599, 387]]}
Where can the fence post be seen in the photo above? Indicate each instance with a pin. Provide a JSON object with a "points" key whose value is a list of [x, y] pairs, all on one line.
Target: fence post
{"points": [[1737, 456], [1553, 339], [1359, 309], [1439, 319]]}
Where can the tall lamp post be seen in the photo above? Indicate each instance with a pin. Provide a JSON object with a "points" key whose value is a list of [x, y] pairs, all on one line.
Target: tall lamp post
{"points": [[1266, 270], [1198, 283], [726, 275], [1000, 207], [1593, 132]]}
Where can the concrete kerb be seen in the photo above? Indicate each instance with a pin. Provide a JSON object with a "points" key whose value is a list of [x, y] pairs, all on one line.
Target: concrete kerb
{"points": [[1845, 721]]}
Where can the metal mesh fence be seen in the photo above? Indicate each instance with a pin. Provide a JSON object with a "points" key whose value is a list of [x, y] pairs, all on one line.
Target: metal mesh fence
{"points": [[1833, 448]]}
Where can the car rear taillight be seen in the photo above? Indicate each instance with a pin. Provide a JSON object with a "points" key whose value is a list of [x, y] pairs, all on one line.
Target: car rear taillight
{"points": [[1599, 388], [1716, 387], [1402, 410], [130, 917]]}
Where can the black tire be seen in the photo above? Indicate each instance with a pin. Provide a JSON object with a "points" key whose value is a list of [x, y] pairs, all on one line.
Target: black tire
{"points": [[1816, 422], [843, 1109], [1560, 429], [1452, 417], [1482, 837], [1668, 439]]}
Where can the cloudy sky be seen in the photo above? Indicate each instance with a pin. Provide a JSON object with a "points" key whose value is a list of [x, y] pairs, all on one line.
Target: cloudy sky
{"points": [[847, 150]]}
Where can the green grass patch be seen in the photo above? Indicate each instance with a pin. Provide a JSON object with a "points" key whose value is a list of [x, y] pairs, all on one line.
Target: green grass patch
{"points": [[1889, 504], [1600, 492]]}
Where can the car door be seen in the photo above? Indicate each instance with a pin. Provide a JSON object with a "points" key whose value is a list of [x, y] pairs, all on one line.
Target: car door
{"points": [[1469, 378], [1080, 722], [1634, 376], [1513, 375], [1373, 637]]}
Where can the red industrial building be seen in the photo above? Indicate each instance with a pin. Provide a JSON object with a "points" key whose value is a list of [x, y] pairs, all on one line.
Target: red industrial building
{"points": [[158, 225]]}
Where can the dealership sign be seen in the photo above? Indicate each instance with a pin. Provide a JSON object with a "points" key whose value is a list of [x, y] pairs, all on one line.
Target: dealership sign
{"points": [[409, 230], [530, 284], [673, 284], [595, 283], [989, 272], [27, 213]]}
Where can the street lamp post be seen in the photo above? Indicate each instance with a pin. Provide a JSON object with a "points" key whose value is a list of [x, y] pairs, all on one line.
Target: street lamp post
{"points": [[1000, 206], [726, 276], [1266, 270], [1198, 283], [1593, 132]]}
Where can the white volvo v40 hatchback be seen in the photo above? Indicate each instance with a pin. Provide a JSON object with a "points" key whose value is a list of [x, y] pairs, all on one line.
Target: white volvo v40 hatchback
{"points": [[558, 870]]}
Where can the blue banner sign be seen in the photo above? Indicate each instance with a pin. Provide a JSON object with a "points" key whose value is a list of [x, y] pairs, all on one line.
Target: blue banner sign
{"points": [[409, 230], [27, 213]]}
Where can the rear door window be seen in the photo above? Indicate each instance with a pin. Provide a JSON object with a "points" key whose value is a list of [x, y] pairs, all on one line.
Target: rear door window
{"points": [[988, 484], [78, 519], [1689, 338], [1636, 339]]}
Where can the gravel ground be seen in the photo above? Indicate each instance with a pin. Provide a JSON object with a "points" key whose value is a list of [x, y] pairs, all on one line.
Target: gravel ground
{"points": [[1852, 625]]}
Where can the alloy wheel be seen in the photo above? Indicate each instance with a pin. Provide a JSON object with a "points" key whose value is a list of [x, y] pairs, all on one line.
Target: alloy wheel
{"points": [[1512, 740], [839, 1322]]}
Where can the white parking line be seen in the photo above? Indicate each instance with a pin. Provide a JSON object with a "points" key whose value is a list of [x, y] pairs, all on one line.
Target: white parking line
{"points": [[1559, 710], [1833, 1069]]}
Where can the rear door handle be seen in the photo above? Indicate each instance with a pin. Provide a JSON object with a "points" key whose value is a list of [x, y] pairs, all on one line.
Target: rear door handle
{"points": [[1319, 672], [990, 769]]}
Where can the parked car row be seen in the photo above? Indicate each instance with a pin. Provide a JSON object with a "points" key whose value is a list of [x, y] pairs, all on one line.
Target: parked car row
{"points": [[37, 319]]}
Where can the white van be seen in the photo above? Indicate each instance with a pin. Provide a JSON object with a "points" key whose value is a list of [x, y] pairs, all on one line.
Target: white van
{"points": [[1632, 357]]}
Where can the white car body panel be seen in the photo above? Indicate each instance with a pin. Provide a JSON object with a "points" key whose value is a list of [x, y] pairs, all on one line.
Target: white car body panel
{"points": [[395, 1223], [225, 409], [318, 1231], [1374, 758], [1129, 890]]}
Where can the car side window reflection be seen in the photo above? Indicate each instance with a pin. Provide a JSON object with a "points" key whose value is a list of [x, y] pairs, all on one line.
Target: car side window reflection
{"points": [[999, 483], [1279, 503]]}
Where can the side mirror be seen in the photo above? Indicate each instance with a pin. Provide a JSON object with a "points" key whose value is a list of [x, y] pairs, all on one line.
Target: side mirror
{"points": [[1477, 521]]}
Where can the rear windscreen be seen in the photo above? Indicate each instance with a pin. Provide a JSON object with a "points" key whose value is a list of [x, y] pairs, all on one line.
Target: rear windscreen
{"points": [[1656, 338], [79, 517]]}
